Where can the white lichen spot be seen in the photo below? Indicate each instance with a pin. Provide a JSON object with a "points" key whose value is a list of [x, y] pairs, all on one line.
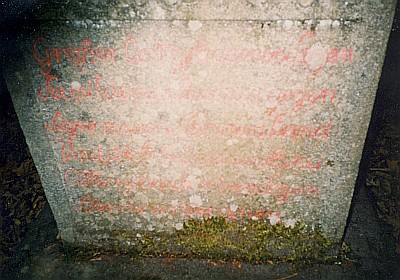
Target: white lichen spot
{"points": [[324, 24], [335, 24], [75, 85], [175, 203], [196, 200], [316, 56], [132, 13], [194, 25], [150, 228], [287, 24], [113, 23], [231, 142], [233, 207], [138, 235], [290, 223], [179, 226], [273, 219]]}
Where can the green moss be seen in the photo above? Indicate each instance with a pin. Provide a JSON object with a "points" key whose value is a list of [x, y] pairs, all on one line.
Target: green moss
{"points": [[220, 240], [254, 241]]}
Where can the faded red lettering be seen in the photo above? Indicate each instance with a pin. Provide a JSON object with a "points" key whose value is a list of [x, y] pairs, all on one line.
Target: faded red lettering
{"points": [[79, 56]]}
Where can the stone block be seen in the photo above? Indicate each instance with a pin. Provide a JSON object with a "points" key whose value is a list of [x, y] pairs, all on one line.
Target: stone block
{"points": [[144, 115]]}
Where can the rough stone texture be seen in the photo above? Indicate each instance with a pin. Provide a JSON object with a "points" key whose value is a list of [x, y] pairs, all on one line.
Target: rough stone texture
{"points": [[143, 114]]}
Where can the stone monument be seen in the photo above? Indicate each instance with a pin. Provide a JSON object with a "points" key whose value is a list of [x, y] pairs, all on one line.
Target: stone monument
{"points": [[144, 115]]}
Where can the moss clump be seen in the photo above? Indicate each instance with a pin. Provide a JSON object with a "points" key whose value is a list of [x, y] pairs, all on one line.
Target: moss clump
{"points": [[221, 240], [254, 241]]}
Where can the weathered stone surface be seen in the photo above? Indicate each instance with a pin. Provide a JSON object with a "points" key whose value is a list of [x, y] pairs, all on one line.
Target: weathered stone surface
{"points": [[143, 114]]}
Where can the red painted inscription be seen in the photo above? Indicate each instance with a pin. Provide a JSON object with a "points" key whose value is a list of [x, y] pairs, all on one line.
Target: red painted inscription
{"points": [[152, 148], [79, 56]]}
